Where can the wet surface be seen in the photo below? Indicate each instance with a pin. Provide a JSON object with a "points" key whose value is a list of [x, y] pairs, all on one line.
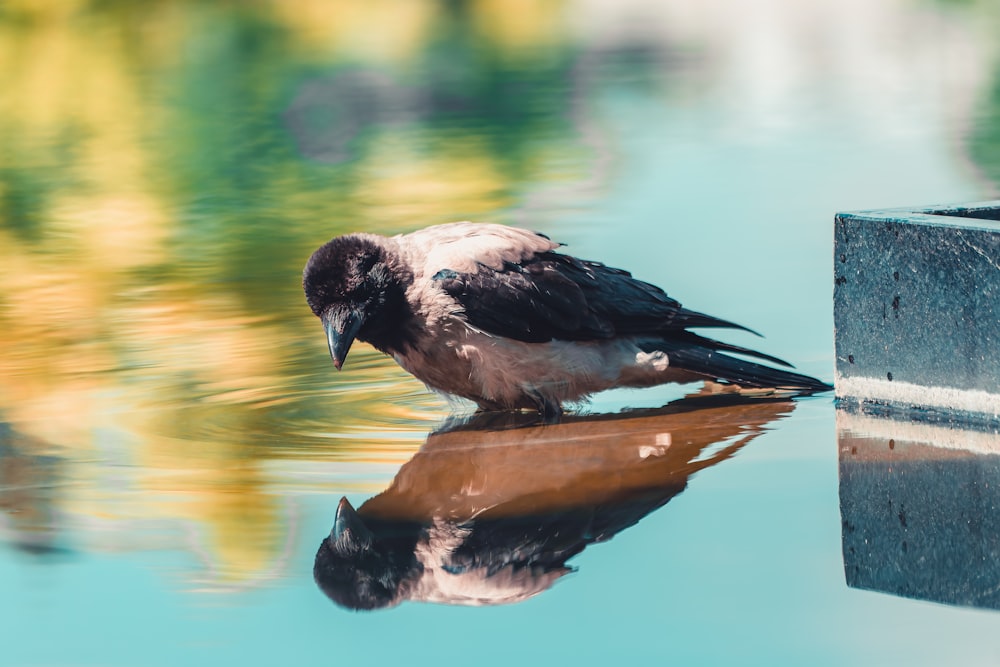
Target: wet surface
{"points": [[175, 444]]}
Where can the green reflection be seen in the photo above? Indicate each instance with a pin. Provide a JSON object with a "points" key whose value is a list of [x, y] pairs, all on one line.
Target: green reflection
{"points": [[984, 141], [166, 172]]}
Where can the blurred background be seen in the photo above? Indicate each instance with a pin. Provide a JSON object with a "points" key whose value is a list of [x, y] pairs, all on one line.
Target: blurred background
{"points": [[172, 435]]}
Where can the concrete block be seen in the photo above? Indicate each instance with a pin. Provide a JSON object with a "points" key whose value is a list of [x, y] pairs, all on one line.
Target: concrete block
{"points": [[917, 312], [918, 506]]}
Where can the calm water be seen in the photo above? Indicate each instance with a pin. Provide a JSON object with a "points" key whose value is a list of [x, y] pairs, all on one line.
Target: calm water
{"points": [[174, 441]]}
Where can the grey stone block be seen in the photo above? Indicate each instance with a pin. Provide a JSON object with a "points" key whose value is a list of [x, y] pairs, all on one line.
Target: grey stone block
{"points": [[917, 312], [918, 506]]}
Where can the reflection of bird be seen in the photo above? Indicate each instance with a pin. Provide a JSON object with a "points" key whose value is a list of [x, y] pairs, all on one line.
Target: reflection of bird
{"points": [[494, 314], [491, 517]]}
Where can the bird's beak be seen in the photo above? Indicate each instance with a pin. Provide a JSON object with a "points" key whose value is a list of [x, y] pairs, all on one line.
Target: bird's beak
{"points": [[341, 328], [349, 533]]}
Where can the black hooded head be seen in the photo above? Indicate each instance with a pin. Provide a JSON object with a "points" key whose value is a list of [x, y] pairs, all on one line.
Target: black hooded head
{"points": [[357, 287]]}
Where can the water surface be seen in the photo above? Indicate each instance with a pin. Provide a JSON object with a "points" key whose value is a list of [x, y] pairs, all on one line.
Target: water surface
{"points": [[175, 442]]}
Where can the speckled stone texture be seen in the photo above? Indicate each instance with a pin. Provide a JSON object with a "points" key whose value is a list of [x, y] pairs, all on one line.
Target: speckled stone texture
{"points": [[917, 312], [918, 510]]}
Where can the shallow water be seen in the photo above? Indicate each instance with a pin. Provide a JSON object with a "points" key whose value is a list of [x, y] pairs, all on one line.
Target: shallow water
{"points": [[175, 442]]}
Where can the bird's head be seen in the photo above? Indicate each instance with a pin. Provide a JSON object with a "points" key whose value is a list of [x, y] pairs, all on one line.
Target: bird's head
{"points": [[358, 569], [356, 287]]}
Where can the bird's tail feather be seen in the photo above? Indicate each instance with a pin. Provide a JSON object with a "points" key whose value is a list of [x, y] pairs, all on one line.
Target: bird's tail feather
{"points": [[719, 366], [684, 318], [694, 338]]}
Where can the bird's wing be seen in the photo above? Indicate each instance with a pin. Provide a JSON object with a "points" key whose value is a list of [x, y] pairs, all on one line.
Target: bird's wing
{"points": [[548, 295]]}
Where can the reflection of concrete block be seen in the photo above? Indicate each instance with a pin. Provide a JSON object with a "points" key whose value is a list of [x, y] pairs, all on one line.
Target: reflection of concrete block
{"points": [[918, 506], [917, 311]]}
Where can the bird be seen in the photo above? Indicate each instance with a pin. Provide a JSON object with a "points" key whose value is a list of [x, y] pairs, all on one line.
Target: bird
{"points": [[500, 316]]}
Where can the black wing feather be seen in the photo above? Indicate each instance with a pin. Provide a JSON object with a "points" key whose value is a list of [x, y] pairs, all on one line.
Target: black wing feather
{"points": [[552, 296], [533, 305]]}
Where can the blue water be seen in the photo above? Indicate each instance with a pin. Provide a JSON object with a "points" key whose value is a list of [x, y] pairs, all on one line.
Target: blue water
{"points": [[177, 441]]}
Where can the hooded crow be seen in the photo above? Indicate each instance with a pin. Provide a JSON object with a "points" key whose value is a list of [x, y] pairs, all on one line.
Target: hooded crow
{"points": [[496, 315]]}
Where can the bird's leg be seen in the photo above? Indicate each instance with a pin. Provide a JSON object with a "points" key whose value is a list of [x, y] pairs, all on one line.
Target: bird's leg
{"points": [[550, 411]]}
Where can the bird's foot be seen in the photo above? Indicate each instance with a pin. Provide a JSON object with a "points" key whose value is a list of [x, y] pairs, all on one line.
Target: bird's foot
{"points": [[490, 420], [550, 411]]}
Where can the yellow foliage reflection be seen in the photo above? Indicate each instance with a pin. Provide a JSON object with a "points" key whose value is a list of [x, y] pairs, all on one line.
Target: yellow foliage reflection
{"points": [[154, 217]]}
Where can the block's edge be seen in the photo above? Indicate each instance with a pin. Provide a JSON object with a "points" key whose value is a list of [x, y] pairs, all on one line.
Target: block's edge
{"points": [[943, 215]]}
